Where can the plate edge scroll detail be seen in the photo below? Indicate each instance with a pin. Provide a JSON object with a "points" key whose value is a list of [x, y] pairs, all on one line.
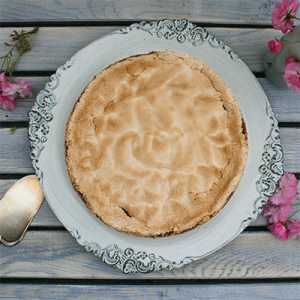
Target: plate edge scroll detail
{"points": [[182, 30], [271, 170], [40, 115], [128, 261]]}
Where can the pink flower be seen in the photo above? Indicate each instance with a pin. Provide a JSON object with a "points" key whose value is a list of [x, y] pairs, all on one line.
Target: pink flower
{"points": [[278, 207], [276, 213], [292, 76], [274, 46], [279, 230], [10, 91], [293, 227], [289, 182], [282, 15], [24, 88], [20, 88], [3, 78], [290, 59], [287, 191], [3, 81], [8, 102]]}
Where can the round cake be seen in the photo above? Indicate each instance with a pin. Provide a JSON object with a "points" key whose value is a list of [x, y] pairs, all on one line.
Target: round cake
{"points": [[156, 144]]}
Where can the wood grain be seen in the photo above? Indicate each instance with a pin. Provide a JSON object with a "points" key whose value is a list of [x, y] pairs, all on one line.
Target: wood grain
{"points": [[15, 152], [56, 254], [18, 158], [284, 102], [199, 291], [209, 11], [53, 46]]}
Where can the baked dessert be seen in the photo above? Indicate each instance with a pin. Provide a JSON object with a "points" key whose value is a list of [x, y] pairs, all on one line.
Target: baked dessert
{"points": [[156, 144]]}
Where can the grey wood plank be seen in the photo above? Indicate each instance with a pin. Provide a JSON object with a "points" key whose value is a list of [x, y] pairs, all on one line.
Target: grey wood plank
{"points": [[15, 151], [290, 141], [284, 102], [210, 11], [267, 291], [53, 46], [56, 254]]}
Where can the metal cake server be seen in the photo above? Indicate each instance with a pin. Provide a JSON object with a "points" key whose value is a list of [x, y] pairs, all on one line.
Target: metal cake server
{"points": [[18, 207]]}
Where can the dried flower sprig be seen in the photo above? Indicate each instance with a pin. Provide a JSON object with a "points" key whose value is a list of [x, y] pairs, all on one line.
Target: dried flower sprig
{"points": [[11, 91], [19, 42]]}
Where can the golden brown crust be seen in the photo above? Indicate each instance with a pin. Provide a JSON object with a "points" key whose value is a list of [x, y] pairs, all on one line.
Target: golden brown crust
{"points": [[156, 144]]}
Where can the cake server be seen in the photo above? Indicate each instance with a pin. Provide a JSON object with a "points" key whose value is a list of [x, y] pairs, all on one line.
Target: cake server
{"points": [[18, 208]]}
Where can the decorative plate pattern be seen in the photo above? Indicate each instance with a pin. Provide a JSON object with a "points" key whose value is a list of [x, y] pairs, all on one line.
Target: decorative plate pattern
{"points": [[46, 133]]}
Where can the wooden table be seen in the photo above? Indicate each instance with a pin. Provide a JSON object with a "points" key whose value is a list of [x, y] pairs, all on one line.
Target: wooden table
{"points": [[49, 263]]}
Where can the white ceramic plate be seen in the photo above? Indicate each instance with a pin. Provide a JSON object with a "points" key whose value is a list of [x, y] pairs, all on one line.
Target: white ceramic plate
{"points": [[51, 111]]}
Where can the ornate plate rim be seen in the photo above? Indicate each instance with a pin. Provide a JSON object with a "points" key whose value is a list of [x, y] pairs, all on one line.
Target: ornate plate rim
{"points": [[127, 260]]}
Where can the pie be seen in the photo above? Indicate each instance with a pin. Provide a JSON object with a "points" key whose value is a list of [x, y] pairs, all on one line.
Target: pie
{"points": [[156, 144]]}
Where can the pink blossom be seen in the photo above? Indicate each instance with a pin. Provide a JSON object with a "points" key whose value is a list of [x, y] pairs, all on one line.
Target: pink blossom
{"points": [[3, 81], [274, 46], [3, 78], [24, 88], [282, 15], [279, 230], [293, 227], [289, 181], [287, 191], [276, 213], [290, 59], [9, 92], [21, 88], [292, 76], [8, 102]]}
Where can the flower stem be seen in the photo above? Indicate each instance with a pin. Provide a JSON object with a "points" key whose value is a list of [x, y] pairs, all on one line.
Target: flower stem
{"points": [[291, 216], [287, 44], [293, 17]]}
